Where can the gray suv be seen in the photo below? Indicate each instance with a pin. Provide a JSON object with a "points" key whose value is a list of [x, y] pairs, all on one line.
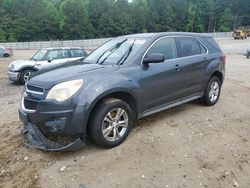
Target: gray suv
{"points": [[124, 80]]}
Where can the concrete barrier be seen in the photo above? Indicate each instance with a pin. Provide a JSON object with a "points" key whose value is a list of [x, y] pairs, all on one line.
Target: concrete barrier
{"points": [[88, 44]]}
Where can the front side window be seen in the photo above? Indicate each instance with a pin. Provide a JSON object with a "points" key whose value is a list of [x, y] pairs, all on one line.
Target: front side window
{"points": [[39, 56], [189, 47], [165, 46], [57, 54]]}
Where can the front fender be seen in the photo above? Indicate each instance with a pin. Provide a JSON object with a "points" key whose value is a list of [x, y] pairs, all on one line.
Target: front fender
{"points": [[20, 65], [96, 90]]}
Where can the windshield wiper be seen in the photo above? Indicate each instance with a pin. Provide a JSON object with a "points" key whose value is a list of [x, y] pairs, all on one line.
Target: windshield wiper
{"points": [[126, 55], [112, 49]]}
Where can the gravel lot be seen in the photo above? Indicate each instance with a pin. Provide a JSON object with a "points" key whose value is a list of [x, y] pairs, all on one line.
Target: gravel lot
{"points": [[188, 146]]}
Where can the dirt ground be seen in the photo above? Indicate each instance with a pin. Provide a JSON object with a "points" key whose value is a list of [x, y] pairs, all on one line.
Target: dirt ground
{"points": [[188, 146]]}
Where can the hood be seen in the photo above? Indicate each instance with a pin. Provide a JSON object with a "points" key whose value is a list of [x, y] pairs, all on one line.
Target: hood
{"points": [[19, 64], [49, 77]]}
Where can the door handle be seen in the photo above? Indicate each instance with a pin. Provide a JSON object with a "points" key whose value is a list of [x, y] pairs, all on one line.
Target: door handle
{"points": [[177, 67]]}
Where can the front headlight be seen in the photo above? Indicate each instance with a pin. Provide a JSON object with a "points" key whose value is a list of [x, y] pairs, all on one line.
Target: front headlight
{"points": [[65, 90], [11, 67]]}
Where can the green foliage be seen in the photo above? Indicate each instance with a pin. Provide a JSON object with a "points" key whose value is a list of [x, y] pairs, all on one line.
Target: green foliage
{"points": [[226, 21], [29, 20], [75, 21]]}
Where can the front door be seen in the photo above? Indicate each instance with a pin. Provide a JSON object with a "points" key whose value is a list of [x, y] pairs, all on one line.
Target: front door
{"points": [[55, 57], [162, 82]]}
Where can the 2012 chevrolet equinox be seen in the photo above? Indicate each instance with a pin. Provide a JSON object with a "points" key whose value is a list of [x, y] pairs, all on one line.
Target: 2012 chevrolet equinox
{"points": [[125, 79]]}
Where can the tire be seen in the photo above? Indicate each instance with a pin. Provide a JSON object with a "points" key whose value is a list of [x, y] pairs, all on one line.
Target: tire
{"points": [[103, 119], [24, 75], [247, 56], [210, 99], [6, 55]]}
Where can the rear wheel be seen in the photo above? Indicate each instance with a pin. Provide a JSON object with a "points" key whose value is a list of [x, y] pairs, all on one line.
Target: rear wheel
{"points": [[6, 55], [25, 75], [110, 123], [212, 91]]}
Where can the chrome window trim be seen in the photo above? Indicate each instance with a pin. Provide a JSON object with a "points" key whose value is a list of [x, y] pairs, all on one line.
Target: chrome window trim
{"points": [[174, 36]]}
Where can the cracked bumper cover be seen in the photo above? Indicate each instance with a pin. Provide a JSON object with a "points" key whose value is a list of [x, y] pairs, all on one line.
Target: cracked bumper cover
{"points": [[36, 139]]}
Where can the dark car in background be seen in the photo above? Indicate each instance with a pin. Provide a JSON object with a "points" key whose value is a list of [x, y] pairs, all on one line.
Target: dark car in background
{"points": [[124, 80], [5, 52], [20, 70], [248, 53]]}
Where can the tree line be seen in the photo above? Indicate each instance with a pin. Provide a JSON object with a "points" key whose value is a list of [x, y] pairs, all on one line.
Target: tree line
{"points": [[32, 20]]}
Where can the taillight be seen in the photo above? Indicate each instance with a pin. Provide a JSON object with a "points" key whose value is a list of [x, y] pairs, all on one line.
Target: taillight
{"points": [[224, 59], [10, 49]]}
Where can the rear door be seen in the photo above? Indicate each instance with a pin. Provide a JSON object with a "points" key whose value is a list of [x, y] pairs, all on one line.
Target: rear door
{"points": [[162, 82], [193, 61]]}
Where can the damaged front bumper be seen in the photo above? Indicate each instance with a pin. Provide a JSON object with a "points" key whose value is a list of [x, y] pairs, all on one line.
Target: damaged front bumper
{"points": [[36, 139]]}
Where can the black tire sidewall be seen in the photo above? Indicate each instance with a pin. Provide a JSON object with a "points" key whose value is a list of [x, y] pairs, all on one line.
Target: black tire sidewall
{"points": [[206, 99], [22, 81], [95, 126], [6, 55]]}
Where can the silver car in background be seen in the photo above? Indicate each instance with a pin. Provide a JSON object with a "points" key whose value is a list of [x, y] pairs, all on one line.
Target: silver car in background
{"points": [[20, 70], [5, 52]]}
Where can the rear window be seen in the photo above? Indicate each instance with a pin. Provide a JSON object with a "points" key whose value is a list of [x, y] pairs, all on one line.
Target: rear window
{"points": [[77, 53]]}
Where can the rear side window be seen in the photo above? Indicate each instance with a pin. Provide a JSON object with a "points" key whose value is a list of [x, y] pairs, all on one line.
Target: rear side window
{"points": [[165, 46], [189, 47], [211, 44], [77, 53]]}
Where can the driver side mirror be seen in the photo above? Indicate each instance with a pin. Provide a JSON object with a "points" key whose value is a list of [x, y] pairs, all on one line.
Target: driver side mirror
{"points": [[50, 59], [154, 58]]}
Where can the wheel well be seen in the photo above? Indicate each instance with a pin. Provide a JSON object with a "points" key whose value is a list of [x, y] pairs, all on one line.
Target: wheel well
{"points": [[219, 75], [27, 68], [126, 97]]}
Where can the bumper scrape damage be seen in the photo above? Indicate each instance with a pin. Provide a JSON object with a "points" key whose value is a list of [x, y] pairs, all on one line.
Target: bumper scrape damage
{"points": [[37, 140], [50, 126]]}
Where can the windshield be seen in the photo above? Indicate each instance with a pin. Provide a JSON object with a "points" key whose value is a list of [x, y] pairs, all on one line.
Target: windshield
{"points": [[116, 51], [39, 55]]}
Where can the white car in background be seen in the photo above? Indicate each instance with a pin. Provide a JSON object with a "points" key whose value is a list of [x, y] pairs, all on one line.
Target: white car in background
{"points": [[20, 70]]}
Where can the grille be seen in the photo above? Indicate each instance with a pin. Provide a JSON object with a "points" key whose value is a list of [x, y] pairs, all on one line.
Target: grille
{"points": [[31, 105], [34, 88]]}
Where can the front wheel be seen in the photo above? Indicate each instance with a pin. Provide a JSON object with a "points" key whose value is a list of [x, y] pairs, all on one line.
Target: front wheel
{"points": [[25, 75], [212, 91], [110, 123]]}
